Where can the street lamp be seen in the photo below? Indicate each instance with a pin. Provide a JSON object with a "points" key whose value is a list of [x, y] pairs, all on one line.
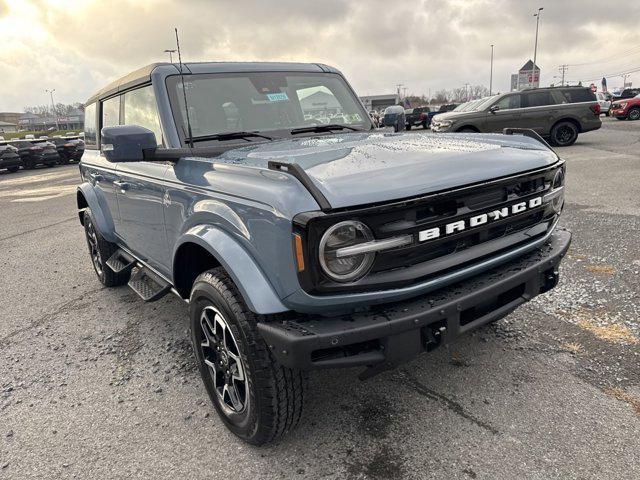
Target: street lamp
{"points": [[491, 72], [170, 52], [53, 108], [535, 48]]}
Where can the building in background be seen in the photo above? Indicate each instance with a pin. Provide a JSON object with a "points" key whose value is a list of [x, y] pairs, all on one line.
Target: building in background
{"points": [[33, 122], [10, 117], [8, 127], [380, 102], [525, 78]]}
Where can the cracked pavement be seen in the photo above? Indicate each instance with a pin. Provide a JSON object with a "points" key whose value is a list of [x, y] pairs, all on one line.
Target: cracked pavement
{"points": [[94, 383]]}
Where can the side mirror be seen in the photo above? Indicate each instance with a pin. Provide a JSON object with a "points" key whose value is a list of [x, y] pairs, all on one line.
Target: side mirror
{"points": [[125, 143], [494, 108]]}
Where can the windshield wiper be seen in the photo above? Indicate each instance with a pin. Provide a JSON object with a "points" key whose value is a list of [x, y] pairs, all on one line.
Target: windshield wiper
{"points": [[228, 136], [324, 128]]}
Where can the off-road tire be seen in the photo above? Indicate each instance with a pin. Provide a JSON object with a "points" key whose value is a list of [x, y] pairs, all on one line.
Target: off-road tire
{"points": [[634, 113], [564, 134], [274, 394], [105, 249]]}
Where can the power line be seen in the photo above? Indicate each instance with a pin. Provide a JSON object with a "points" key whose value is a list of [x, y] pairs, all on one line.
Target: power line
{"points": [[629, 52]]}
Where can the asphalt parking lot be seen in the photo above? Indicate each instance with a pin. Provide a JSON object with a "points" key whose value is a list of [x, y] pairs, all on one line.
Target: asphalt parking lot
{"points": [[94, 383]]}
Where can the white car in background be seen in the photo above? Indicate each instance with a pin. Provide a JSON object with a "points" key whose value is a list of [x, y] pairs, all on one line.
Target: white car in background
{"points": [[605, 105]]}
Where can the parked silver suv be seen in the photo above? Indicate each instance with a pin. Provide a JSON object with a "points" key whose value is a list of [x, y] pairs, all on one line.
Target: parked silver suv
{"points": [[556, 113]]}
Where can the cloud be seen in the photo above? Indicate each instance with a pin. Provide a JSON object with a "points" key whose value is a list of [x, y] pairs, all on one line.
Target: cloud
{"points": [[424, 44]]}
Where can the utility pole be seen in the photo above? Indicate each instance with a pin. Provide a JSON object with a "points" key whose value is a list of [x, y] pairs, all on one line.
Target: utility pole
{"points": [[491, 73], [563, 70], [170, 52], [53, 108], [535, 48], [624, 79], [399, 86]]}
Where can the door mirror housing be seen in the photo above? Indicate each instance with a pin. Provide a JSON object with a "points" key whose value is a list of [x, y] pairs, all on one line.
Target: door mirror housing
{"points": [[494, 108], [126, 143]]}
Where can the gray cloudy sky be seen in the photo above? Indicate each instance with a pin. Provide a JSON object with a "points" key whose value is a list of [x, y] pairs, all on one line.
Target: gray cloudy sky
{"points": [[78, 46]]}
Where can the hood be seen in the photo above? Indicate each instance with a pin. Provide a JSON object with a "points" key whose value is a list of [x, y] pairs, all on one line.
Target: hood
{"points": [[369, 167], [457, 115]]}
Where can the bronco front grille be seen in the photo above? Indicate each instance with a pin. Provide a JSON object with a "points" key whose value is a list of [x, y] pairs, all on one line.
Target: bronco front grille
{"points": [[420, 261]]}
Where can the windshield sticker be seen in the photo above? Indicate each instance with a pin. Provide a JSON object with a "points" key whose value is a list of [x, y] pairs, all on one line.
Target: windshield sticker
{"points": [[278, 97]]}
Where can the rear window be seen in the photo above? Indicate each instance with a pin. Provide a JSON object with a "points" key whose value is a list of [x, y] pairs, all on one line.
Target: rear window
{"points": [[90, 137], [575, 95]]}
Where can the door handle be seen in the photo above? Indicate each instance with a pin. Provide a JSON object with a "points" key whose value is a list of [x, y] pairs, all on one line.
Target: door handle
{"points": [[96, 177], [122, 185]]}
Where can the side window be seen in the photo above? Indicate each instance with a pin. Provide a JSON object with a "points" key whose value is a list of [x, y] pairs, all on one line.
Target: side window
{"points": [[576, 95], [539, 99], [90, 137], [111, 112], [139, 108], [509, 102]]}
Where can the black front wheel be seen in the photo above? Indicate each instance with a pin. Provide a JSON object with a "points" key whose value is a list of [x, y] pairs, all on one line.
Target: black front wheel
{"points": [[100, 250], [13, 169], [564, 134], [256, 398]]}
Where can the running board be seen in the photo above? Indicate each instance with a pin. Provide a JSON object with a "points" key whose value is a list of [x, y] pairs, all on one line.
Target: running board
{"points": [[149, 286], [121, 262]]}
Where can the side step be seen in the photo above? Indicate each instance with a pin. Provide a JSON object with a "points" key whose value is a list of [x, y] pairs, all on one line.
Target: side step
{"points": [[149, 286], [121, 262]]}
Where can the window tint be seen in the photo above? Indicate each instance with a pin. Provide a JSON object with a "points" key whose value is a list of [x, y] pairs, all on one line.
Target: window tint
{"points": [[539, 99], [575, 95], [139, 108], [509, 102], [111, 112], [90, 138]]}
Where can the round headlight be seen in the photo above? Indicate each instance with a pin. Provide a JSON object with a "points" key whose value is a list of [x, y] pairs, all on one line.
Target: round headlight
{"points": [[340, 267]]}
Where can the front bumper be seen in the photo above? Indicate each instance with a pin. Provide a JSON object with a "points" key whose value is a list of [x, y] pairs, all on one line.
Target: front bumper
{"points": [[618, 113], [387, 335]]}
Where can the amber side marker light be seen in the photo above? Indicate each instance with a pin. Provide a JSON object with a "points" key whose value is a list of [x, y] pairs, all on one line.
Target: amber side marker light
{"points": [[297, 245]]}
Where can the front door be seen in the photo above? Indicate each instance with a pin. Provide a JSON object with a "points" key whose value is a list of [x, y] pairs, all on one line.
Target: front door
{"points": [[507, 115], [140, 193]]}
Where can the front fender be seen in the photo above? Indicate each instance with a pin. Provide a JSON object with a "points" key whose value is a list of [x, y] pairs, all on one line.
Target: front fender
{"points": [[99, 209], [256, 290]]}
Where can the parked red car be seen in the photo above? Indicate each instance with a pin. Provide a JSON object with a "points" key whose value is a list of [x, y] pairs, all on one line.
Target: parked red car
{"points": [[629, 108]]}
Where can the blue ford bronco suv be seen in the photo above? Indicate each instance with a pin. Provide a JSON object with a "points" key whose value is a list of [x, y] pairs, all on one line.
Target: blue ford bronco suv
{"points": [[301, 237]]}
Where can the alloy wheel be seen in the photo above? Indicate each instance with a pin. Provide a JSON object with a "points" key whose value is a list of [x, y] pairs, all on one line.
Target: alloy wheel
{"points": [[634, 114], [564, 135], [222, 357]]}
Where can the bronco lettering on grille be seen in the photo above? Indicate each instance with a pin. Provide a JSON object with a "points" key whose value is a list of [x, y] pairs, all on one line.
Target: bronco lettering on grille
{"points": [[477, 220]]}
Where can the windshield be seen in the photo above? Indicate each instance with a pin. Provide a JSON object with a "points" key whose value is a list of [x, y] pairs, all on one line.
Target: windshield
{"points": [[264, 102]]}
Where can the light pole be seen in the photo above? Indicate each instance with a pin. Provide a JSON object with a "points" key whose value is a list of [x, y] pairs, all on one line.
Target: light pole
{"points": [[491, 72], [170, 52], [53, 108], [535, 48]]}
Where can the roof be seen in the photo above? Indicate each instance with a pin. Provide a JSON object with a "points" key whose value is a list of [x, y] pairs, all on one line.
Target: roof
{"points": [[143, 75], [527, 67]]}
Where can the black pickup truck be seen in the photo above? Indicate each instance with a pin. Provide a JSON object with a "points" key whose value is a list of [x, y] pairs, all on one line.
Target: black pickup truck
{"points": [[418, 116]]}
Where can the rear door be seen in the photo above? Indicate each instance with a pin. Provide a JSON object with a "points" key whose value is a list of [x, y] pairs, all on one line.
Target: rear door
{"points": [[540, 111]]}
